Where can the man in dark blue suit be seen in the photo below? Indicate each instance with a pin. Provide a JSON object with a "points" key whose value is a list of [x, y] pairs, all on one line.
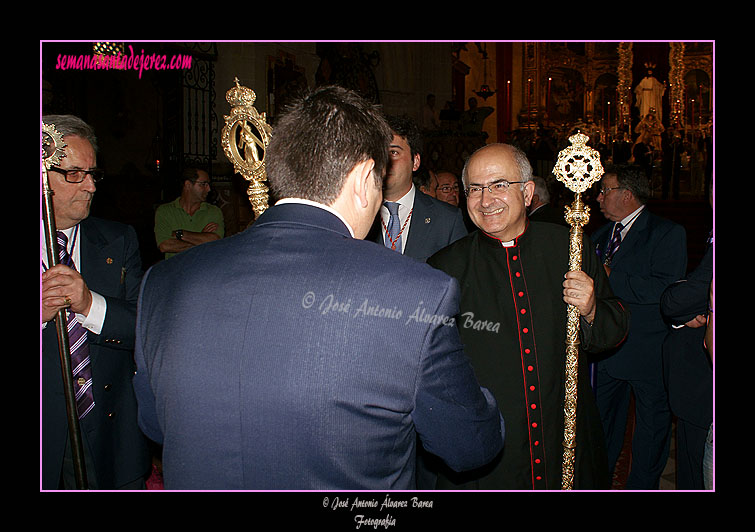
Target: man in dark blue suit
{"points": [[424, 225], [688, 372], [295, 355], [642, 254], [99, 292]]}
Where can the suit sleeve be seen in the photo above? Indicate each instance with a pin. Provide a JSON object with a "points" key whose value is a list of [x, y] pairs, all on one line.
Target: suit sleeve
{"points": [[456, 419], [687, 298], [147, 409]]}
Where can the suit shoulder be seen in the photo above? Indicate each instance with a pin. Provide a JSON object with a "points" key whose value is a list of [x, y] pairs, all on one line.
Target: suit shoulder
{"points": [[440, 206], [662, 221], [446, 207], [601, 230], [376, 257], [108, 227]]}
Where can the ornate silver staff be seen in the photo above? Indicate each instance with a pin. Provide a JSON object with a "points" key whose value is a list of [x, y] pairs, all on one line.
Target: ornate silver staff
{"points": [[578, 167], [52, 153], [245, 138]]}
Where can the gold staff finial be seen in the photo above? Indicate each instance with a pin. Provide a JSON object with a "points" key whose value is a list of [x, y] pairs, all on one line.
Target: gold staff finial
{"points": [[578, 167], [52, 146], [245, 138]]}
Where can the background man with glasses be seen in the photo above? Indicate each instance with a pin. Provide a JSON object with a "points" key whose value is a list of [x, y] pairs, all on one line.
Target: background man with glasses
{"points": [[448, 188], [99, 290], [188, 220], [643, 254], [515, 286]]}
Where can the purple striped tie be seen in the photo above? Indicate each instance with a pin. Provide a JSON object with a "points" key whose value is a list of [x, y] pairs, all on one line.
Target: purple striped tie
{"points": [[613, 246], [77, 339]]}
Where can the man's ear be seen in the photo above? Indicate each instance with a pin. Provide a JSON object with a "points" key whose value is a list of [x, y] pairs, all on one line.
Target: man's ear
{"points": [[362, 174], [416, 162], [528, 192]]}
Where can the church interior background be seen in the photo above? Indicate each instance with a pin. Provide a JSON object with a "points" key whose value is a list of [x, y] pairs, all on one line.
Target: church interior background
{"points": [[152, 123]]}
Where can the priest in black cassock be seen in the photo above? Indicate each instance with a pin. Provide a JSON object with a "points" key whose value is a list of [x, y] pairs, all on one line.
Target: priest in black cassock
{"points": [[516, 285]]}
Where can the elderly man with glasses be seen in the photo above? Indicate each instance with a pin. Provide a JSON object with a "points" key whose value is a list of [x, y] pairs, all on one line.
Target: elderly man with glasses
{"points": [[96, 281], [642, 254], [515, 282]]}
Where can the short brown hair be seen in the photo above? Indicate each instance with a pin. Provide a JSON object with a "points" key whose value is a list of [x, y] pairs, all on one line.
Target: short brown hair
{"points": [[319, 139]]}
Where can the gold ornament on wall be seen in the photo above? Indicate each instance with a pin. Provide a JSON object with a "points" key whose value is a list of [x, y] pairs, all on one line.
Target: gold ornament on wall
{"points": [[245, 138], [578, 167]]}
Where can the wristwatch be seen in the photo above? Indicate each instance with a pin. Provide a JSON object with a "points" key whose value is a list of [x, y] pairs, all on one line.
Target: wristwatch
{"points": [[179, 234]]}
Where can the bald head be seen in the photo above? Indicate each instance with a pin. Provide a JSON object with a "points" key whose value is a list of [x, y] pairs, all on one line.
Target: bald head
{"points": [[497, 209]]}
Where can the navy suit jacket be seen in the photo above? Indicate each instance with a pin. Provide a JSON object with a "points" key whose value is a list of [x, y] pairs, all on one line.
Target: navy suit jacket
{"points": [[293, 356], [687, 367], [434, 225], [111, 266], [652, 255]]}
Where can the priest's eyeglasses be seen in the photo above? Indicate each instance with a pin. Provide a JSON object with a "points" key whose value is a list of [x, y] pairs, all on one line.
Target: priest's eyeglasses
{"points": [[497, 188], [77, 175]]}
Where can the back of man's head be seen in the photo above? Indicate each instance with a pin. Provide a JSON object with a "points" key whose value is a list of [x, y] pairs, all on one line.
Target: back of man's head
{"points": [[319, 139], [541, 189]]}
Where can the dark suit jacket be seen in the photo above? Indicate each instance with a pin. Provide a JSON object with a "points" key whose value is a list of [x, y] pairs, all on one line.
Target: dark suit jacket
{"points": [[687, 368], [652, 255], [293, 356], [434, 225], [548, 213], [111, 266]]}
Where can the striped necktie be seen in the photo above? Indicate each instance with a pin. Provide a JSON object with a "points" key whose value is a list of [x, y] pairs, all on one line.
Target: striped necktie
{"points": [[79, 347], [613, 246], [394, 227]]}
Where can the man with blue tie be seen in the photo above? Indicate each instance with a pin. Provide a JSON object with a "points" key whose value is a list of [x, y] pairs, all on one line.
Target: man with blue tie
{"points": [[410, 221], [96, 282], [642, 254], [301, 356]]}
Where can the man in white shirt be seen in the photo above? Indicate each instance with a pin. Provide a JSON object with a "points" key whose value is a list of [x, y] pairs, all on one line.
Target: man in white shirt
{"points": [[424, 224]]}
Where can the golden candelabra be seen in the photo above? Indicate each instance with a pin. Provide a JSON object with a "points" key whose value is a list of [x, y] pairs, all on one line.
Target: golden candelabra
{"points": [[245, 138], [578, 167]]}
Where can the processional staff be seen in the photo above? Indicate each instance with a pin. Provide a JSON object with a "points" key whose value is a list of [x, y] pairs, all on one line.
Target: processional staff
{"points": [[52, 152], [578, 167], [245, 138]]}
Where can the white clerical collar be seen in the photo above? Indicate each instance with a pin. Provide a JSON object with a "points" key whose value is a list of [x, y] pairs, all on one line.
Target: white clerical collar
{"points": [[311, 203]]}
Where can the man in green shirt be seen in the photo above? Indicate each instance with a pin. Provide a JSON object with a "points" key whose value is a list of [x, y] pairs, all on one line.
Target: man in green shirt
{"points": [[188, 220]]}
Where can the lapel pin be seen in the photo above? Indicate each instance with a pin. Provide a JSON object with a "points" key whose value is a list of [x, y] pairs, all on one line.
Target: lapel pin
{"points": [[427, 220]]}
